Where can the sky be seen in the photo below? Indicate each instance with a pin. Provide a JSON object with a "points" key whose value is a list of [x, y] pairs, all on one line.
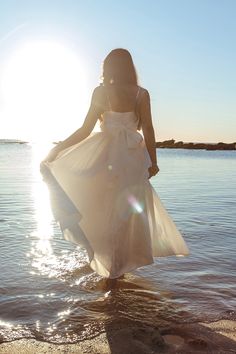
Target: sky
{"points": [[52, 52]]}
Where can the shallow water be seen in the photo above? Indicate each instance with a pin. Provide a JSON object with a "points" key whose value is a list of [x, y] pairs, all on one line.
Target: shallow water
{"points": [[47, 290]]}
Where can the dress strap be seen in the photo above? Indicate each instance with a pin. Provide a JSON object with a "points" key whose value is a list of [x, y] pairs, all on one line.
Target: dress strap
{"points": [[137, 97], [136, 107]]}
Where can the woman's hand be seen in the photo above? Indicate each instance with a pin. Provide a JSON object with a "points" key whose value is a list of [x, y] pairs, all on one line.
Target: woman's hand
{"points": [[52, 154], [153, 170]]}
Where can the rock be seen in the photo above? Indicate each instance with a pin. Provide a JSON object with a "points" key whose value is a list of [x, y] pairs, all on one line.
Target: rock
{"points": [[199, 146], [168, 142], [179, 144], [198, 343], [188, 145]]}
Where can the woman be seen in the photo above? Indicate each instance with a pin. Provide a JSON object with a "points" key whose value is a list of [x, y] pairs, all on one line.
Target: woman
{"points": [[99, 183]]}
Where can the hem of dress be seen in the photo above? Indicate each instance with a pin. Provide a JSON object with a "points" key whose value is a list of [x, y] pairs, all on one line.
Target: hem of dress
{"points": [[116, 276]]}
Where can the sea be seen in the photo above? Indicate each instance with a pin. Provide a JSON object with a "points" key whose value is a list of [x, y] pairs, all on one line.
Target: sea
{"points": [[48, 291]]}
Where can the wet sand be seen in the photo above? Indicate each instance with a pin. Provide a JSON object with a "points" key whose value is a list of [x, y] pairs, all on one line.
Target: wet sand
{"points": [[216, 337]]}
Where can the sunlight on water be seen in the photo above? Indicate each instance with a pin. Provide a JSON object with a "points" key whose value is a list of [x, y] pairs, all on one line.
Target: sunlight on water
{"points": [[44, 260], [43, 214], [53, 295], [6, 324], [41, 251]]}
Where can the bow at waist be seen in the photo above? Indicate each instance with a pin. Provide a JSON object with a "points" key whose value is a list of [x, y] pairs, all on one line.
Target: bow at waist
{"points": [[132, 137]]}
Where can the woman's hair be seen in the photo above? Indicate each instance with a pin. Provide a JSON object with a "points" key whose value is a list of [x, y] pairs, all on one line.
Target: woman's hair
{"points": [[118, 68]]}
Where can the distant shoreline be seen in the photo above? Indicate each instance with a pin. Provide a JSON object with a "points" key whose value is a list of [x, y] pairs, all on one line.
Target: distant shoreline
{"points": [[166, 144], [12, 141], [172, 144]]}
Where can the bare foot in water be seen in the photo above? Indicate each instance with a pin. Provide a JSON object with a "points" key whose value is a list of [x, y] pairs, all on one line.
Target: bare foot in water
{"points": [[121, 277], [111, 283]]}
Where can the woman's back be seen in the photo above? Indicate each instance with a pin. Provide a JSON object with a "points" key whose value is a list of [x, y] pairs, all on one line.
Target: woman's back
{"points": [[122, 98], [119, 98]]}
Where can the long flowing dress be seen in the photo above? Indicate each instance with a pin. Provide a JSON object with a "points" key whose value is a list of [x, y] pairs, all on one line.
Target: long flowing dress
{"points": [[103, 200]]}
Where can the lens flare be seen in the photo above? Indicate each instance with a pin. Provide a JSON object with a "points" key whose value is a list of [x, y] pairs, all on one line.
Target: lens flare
{"points": [[136, 205]]}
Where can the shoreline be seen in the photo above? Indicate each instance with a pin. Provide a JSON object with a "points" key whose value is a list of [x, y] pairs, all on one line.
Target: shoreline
{"points": [[165, 144], [172, 144], [214, 337]]}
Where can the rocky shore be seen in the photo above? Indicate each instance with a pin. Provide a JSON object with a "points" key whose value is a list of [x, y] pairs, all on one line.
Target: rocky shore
{"points": [[172, 144]]}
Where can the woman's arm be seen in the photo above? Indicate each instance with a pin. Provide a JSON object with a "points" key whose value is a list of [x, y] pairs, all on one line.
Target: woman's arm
{"points": [[82, 133], [148, 131]]}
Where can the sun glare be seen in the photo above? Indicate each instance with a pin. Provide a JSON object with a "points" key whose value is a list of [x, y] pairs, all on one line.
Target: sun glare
{"points": [[44, 88]]}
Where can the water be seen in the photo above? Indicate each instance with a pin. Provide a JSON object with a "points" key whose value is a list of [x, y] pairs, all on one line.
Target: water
{"points": [[48, 292]]}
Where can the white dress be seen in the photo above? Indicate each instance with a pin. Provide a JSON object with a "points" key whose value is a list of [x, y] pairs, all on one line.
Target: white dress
{"points": [[103, 200]]}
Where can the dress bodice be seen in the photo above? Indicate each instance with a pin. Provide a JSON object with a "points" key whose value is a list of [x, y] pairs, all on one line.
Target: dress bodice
{"points": [[122, 124], [115, 119]]}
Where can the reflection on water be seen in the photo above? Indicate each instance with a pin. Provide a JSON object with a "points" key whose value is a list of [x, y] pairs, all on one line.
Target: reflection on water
{"points": [[49, 292], [41, 251], [42, 210]]}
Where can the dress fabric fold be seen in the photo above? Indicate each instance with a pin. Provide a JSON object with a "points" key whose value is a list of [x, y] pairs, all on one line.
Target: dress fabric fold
{"points": [[103, 200]]}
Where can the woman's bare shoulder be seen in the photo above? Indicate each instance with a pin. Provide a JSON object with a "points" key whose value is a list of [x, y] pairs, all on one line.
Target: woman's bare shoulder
{"points": [[144, 96], [99, 96], [143, 90], [99, 91]]}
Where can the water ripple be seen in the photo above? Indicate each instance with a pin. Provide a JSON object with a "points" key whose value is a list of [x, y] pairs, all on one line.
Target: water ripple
{"points": [[49, 292]]}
